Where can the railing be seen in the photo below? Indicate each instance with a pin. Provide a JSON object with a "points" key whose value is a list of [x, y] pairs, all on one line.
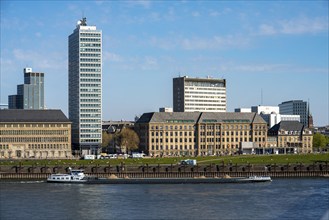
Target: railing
{"points": [[281, 174]]}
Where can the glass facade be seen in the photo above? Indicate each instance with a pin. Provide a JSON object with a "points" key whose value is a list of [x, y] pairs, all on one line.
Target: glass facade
{"points": [[30, 95], [85, 87], [295, 107]]}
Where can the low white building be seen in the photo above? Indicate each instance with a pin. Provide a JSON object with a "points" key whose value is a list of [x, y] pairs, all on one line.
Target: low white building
{"points": [[242, 110], [273, 119], [165, 109], [265, 109]]}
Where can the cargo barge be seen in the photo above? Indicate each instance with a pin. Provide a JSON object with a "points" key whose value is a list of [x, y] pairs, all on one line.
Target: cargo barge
{"points": [[78, 176]]}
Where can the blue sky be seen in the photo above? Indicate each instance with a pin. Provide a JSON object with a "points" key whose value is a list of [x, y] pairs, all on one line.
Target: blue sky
{"points": [[278, 47]]}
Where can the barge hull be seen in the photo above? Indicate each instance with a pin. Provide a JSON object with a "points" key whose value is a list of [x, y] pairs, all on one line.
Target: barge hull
{"points": [[175, 181]]}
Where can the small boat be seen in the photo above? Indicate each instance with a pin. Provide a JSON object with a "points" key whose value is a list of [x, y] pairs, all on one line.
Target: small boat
{"points": [[75, 176]]}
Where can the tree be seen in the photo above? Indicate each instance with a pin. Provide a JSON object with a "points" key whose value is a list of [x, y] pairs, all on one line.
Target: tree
{"points": [[106, 139], [319, 141], [128, 140]]}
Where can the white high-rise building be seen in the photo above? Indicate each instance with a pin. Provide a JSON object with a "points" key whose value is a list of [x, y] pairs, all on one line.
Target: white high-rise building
{"points": [[85, 88], [199, 94]]}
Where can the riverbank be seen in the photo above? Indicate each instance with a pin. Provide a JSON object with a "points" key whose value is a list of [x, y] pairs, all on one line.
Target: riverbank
{"points": [[236, 159], [171, 171], [304, 165]]}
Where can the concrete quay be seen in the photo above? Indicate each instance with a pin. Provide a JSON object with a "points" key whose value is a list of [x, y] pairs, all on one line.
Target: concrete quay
{"points": [[171, 171]]}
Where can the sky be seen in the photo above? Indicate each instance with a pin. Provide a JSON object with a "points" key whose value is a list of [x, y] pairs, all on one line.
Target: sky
{"points": [[268, 51]]}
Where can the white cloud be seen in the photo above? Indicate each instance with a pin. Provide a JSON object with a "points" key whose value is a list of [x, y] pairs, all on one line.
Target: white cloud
{"points": [[214, 13], [213, 43], [143, 3], [195, 14], [269, 68], [38, 34], [99, 2], [112, 57], [41, 61], [303, 25], [149, 63], [216, 42], [266, 29], [260, 67]]}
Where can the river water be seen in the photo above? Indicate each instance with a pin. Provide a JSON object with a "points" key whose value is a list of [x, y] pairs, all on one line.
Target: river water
{"points": [[302, 198]]}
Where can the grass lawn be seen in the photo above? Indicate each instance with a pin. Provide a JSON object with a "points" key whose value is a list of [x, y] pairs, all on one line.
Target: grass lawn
{"points": [[239, 160]]}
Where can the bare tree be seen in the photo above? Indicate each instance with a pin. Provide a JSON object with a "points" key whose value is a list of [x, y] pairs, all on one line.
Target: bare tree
{"points": [[128, 140]]}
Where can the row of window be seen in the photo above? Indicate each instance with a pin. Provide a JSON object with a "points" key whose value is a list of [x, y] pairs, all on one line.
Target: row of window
{"points": [[210, 127], [208, 140], [48, 146], [91, 131], [171, 133], [194, 97], [90, 55], [171, 127], [194, 101], [90, 80], [89, 65], [33, 139], [90, 136], [90, 125], [90, 70], [90, 95], [215, 92], [218, 147], [90, 85], [89, 60], [173, 140], [171, 147], [232, 139], [90, 110], [35, 154], [83, 34], [91, 39], [232, 133], [89, 45], [90, 50], [296, 139], [90, 115], [4, 146], [90, 90], [91, 100], [90, 120], [90, 105], [34, 125], [34, 132], [205, 84]]}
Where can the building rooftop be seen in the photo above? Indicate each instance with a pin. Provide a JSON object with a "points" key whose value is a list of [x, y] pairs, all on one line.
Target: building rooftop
{"points": [[195, 117], [287, 126], [30, 115]]}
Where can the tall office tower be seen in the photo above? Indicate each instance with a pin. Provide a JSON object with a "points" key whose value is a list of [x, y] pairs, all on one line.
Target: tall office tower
{"points": [[199, 94], [30, 95], [295, 107], [85, 88]]}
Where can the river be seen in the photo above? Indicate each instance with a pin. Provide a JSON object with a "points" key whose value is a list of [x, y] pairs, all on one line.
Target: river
{"points": [[291, 198]]}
